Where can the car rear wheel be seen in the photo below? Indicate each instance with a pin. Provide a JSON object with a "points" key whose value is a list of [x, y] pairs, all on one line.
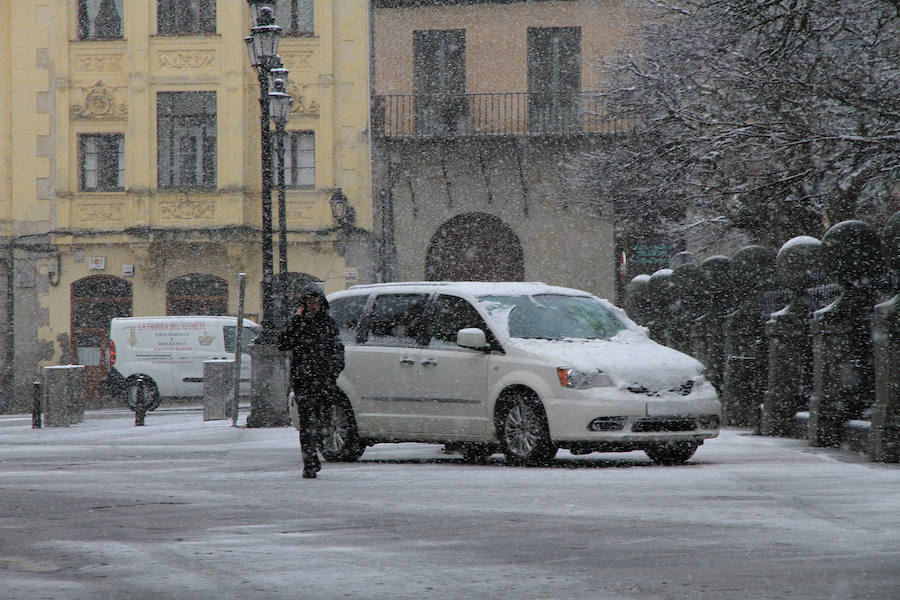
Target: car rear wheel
{"points": [[526, 434], [671, 453], [340, 440], [151, 400]]}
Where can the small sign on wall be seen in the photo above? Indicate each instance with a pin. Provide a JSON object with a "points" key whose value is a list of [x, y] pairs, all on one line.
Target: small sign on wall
{"points": [[127, 270], [97, 262], [351, 274]]}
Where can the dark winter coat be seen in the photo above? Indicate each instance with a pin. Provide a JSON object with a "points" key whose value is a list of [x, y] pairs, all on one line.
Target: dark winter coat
{"points": [[317, 353]]}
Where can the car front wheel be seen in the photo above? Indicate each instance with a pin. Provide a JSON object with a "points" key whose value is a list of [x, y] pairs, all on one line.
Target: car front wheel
{"points": [[671, 453], [340, 440], [526, 434]]}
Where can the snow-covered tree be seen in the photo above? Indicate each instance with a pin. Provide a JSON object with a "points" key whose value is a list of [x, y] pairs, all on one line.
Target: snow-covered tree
{"points": [[773, 117]]}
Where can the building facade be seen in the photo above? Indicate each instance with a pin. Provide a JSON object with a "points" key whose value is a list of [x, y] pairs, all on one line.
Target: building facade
{"points": [[478, 108], [130, 176]]}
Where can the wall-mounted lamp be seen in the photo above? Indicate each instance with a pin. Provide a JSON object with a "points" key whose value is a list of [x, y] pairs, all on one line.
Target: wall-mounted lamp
{"points": [[341, 210]]}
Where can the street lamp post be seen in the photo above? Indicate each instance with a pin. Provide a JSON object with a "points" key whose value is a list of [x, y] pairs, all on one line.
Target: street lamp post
{"points": [[268, 377], [262, 46], [280, 105]]}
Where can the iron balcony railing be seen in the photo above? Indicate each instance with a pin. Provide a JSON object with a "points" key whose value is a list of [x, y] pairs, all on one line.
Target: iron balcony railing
{"points": [[498, 113]]}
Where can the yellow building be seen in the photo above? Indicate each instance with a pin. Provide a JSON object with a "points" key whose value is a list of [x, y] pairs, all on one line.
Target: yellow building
{"points": [[130, 179]]}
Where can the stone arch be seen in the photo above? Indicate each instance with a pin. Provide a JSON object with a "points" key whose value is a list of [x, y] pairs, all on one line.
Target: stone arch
{"points": [[197, 294], [475, 246]]}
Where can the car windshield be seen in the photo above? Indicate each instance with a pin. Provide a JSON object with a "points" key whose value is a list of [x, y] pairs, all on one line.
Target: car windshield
{"points": [[553, 316]]}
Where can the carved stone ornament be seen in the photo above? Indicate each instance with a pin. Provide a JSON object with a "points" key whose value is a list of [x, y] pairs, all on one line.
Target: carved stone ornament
{"points": [[303, 105], [185, 209], [181, 59], [98, 213], [99, 103], [99, 63]]}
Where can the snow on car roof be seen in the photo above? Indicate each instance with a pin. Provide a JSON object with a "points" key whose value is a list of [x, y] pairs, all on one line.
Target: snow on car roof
{"points": [[474, 288]]}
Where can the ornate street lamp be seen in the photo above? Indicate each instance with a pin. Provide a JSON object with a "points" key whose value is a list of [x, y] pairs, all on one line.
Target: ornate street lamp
{"points": [[280, 106], [268, 379], [262, 46]]}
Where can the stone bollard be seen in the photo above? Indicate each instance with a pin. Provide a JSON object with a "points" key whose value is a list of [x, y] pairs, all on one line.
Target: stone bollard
{"points": [[218, 389], [746, 350], [62, 395], [636, 299], [688, 306], [843, 369], [884, 437], [659, 299], [709, 334], [797, 268], [269, 387]]}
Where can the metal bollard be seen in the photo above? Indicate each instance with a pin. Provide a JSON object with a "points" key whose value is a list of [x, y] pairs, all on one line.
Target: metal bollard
{"points": [[36, 421], [140, 402]]}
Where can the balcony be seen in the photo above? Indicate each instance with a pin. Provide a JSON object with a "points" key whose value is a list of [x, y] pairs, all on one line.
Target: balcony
{"points": [[490, 114]]}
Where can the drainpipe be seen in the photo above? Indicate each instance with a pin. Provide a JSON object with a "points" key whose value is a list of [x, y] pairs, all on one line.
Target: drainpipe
{"points": [[7, 391]]}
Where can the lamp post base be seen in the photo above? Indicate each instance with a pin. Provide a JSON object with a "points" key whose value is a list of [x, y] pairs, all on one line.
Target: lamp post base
{"points": [[269, 387]]}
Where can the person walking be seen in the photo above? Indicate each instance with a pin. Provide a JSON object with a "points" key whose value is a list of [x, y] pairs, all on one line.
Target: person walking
{"points": [[317, 358]]}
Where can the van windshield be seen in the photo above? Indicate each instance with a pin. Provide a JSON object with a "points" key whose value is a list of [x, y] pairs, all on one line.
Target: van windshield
{"points": [[248, 333], [553, 316]]}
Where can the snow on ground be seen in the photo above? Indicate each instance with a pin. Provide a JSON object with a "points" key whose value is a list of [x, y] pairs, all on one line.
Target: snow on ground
{"points": [[183, 508]]}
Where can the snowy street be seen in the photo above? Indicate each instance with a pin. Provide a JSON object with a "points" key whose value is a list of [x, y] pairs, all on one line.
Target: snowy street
{"points": [[183, 508]]}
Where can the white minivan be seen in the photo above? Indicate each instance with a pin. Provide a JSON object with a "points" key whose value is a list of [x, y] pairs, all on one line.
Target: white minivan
{"points": [[519, 368], [170, 352]]}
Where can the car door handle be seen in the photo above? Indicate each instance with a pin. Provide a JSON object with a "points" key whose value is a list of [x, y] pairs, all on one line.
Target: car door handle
{"points": [[407, 361], [429, 362]]}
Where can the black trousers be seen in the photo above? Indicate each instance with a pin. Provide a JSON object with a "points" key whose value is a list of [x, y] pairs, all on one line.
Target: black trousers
{"points": [[312, 401]]}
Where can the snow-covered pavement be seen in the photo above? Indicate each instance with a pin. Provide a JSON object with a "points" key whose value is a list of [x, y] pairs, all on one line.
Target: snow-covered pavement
{"points": [[183, 508]]}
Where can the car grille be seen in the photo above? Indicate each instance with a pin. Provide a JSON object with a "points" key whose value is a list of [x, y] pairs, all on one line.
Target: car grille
{"points": [[657, 425], [684, 389]]}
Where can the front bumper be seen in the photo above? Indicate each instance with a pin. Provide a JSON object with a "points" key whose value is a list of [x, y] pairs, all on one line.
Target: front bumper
{"points": [[619, 416]]}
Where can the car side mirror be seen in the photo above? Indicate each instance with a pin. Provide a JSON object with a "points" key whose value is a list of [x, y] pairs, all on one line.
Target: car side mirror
{"points": [[471, 337]]}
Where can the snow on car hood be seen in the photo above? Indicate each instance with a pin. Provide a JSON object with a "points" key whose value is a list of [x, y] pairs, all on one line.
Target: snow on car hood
{"points": [[630, 359]]}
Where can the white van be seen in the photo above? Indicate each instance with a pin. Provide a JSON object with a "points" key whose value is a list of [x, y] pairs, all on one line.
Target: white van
{"points": [[170, 352], [519, 368]]}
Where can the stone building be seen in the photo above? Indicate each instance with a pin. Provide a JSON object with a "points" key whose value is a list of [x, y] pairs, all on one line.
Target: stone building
{"points": [[478, 107]]}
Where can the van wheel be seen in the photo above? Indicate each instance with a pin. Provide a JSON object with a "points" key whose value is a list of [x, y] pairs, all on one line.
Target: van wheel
{"points": [[131, 391], [340, 440], [671, 453], [526, 434]]}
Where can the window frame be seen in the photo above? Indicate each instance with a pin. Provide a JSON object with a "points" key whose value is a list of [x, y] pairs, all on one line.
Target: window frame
{"points": [[85, 23], [292, 141], [167, 18], [440, 81], [101, 175], [179, 130], [290, 25]]}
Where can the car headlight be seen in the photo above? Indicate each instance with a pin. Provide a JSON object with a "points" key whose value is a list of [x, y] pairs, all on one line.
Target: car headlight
{"points": [[577, 379]]}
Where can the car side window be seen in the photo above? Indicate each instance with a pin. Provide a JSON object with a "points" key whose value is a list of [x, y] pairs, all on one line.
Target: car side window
{"points": [[396, 320], [248, 334], [450, 315], [347, 313]]}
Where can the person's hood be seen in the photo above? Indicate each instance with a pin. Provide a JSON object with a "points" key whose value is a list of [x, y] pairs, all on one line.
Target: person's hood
{"points": [[311, 292]]}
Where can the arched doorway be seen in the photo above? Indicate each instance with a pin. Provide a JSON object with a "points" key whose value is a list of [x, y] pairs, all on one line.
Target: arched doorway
{"points": [[197, 294], [94, 302], [475, 247]]}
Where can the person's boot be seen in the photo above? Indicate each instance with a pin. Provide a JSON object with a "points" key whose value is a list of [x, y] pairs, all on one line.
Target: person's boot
{"points": [[309, 472]]}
